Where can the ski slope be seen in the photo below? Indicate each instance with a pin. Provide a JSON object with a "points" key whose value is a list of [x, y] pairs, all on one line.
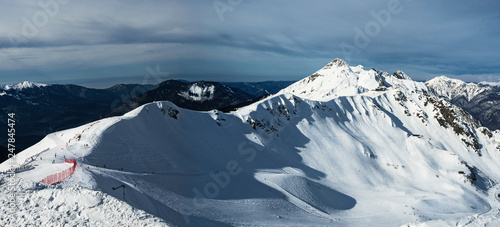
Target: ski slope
{"points": [[343, 147]]}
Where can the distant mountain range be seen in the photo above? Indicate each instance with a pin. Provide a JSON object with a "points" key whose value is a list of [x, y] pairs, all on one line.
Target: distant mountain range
{"points": [[481, 100]]}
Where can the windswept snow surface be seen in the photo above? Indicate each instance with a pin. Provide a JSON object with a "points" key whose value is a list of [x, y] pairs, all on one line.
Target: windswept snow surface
{"points": [[364, 148], [68, 205]]}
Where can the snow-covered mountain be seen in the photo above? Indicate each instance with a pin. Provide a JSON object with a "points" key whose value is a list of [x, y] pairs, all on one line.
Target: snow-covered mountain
{"points": [[21, 86], [455, 88], [481, 100], [344, 146], [338, 79], [43, 109]]}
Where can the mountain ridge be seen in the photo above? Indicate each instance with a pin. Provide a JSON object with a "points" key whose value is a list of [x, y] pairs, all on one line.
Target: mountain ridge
{"points": [[42, 109]]}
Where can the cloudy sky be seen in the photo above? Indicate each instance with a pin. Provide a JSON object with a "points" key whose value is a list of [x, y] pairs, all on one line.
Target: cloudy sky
{"points": [[100, 43]]}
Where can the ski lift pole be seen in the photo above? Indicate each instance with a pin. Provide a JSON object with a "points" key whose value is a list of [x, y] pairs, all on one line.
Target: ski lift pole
{"points": [[121, 186]]}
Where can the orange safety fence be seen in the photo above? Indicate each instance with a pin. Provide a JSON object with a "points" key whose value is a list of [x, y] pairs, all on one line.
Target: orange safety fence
{"points": [[58, 177]]}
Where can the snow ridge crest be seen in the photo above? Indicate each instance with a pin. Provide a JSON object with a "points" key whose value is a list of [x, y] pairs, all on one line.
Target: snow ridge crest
{"points": [[337, 62], [338, 79]]}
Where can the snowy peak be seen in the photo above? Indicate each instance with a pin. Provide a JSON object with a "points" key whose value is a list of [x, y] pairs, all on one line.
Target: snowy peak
{"points": [[445, 80], [454, 88], [337, 79], [21, 86], [401, 75], [337, 62]]}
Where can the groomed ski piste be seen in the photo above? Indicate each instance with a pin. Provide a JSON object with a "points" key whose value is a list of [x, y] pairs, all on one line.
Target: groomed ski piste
{"points": [[343, 147]]}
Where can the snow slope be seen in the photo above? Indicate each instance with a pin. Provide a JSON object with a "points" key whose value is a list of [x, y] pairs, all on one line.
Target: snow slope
{"points": [[69, 205], [343, 147]]}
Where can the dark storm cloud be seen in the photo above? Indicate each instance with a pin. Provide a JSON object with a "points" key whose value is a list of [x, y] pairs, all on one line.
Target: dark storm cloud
{"points": [[269, 38]]}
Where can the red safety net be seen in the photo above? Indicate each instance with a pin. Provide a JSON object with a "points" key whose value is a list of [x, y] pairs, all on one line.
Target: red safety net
{"points": [[58, 177]]}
